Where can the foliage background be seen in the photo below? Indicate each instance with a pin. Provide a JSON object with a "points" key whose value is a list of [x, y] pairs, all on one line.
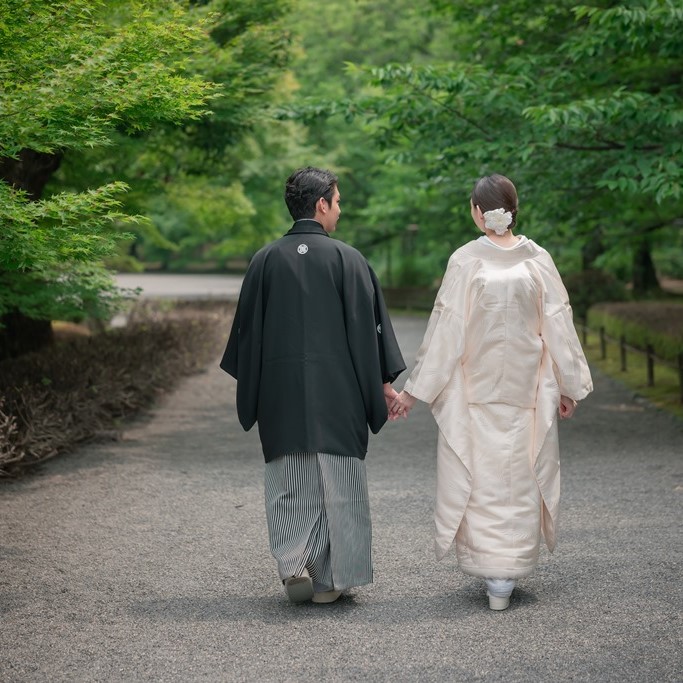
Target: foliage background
{"points": [[580, 105], [158, 135]]}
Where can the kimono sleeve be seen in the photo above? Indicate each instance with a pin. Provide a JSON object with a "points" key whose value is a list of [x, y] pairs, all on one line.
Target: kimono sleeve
{"points": [[444, 340], [390, 358], [362, 337], [242, 357], [560, 337]]}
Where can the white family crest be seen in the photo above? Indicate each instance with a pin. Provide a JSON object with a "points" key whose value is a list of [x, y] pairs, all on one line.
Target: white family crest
{"points": [[302, 248], [379, 328]]}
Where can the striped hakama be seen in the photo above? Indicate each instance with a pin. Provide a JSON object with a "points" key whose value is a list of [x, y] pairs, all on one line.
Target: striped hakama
{"points": [[319, 519]]}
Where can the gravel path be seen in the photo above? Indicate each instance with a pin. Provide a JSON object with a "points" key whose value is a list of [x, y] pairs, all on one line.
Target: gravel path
{"points": [[182, 285], [147, 560]]}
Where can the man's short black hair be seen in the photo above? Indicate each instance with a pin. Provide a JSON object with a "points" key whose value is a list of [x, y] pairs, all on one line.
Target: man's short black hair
{"points": [[305, 187]]}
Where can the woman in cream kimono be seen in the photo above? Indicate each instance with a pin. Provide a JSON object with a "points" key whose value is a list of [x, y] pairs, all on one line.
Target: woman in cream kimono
{"points": [[500, 359]]}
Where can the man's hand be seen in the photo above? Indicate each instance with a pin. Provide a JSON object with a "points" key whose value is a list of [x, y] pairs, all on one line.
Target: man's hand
{"points": [[401, 405], [567, 407], [390, 395]]}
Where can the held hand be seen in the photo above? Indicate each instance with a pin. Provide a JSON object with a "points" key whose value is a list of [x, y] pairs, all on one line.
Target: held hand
{"points": [[390, 395], [567, 407], [402, 405]]}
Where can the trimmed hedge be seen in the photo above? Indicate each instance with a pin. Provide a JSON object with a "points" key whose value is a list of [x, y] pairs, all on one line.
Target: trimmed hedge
{"points": [[83, 388]]}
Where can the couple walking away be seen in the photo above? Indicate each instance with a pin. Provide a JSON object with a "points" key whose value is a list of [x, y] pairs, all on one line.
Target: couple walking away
{"points": [[315, 355]]}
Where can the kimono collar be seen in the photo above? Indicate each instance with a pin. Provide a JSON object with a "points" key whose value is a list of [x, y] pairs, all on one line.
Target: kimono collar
{"points": [[527, 250], [307, 225]]}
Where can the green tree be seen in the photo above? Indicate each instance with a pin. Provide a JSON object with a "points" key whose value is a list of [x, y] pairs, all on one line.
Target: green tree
{"points": [[581, 106], [382, 201], [175, 173], [106, 129], [72, 80]]}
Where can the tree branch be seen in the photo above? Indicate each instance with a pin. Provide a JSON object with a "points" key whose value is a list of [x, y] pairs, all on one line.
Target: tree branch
{"points": [[608, 147], [423, 91], [460, 115], [662, 224]]}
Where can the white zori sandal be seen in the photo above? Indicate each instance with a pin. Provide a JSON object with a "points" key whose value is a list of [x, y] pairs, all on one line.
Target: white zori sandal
{"points": [[499, 591], [326, 596], [299, 588]]}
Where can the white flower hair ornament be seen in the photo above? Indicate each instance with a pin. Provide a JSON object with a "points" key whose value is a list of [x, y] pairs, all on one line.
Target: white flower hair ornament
{"points": [[497, 220]]}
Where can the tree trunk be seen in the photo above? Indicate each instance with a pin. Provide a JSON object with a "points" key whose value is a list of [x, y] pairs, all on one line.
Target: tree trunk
{"points": [[645, 279], [21, 334], [30, 172], [591, 249]]}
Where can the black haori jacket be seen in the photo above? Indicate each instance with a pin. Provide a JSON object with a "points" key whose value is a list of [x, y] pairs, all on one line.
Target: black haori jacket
{"points": [[311, 345]]}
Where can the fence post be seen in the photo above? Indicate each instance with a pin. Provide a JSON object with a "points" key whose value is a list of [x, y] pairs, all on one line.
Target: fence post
{"points": [[680, 374], [650, 366], [603, 343], [622, 349]]}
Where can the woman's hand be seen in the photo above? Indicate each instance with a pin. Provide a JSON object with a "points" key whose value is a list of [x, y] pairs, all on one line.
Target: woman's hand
{"points": [[402, 405], [567, 407]]}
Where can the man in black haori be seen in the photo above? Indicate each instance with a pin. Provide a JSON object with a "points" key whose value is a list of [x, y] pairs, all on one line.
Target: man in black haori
{"points": [[314, 355]]}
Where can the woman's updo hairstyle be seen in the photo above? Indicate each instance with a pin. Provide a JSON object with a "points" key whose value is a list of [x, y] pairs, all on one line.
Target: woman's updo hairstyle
{"points": [[496, 192]]}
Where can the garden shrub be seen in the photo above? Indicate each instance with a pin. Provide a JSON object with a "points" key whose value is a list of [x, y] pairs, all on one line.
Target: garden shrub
{"points": [[81, 388]]}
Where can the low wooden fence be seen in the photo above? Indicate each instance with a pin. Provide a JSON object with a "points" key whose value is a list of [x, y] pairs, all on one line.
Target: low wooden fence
{"points": [[625, 348]]}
